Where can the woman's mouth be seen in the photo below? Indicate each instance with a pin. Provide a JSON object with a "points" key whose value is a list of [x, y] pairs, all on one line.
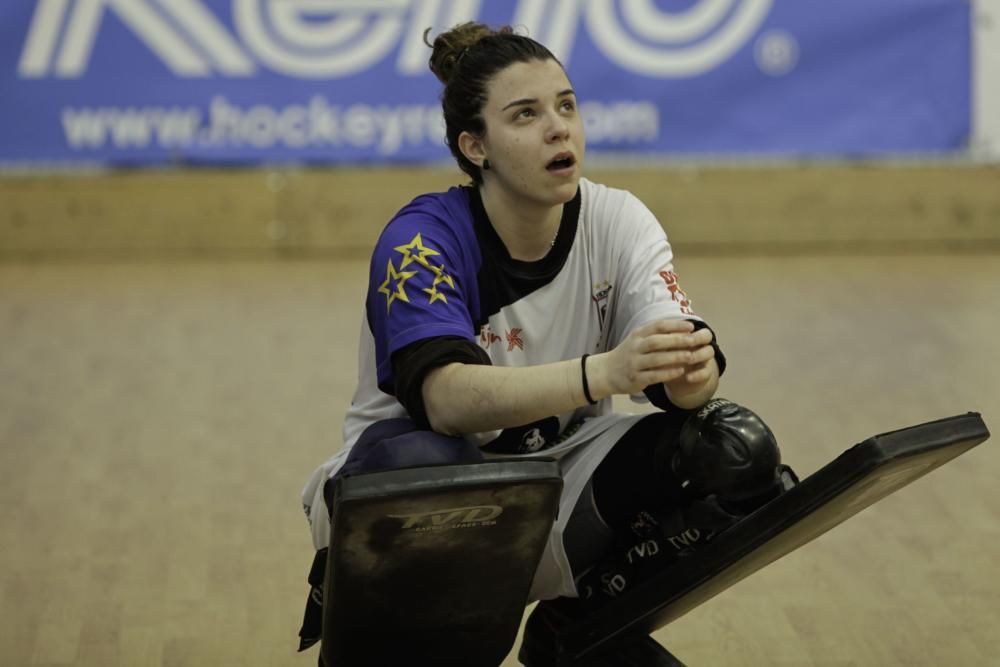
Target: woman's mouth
{"points": [[561, 163]]}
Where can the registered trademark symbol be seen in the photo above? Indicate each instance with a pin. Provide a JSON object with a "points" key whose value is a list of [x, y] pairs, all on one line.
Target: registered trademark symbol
{"points": [[776, 52]]}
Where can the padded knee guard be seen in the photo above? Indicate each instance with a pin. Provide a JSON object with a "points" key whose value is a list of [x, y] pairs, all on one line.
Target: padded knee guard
{"points": [[726, 450], [723, 464]]}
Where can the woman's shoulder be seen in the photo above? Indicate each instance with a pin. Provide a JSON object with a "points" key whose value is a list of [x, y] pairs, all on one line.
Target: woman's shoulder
{"points": [[449, 207], [604, 203], [443, 216]]}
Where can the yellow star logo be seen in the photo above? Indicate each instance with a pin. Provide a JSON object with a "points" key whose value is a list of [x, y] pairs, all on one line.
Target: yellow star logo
{"points": [[435, 295], [397, 291], [441, 277], [415, 251]]}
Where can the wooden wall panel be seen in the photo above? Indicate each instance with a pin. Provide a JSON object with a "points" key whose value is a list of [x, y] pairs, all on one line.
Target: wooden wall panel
{"points": [[340, 211]]}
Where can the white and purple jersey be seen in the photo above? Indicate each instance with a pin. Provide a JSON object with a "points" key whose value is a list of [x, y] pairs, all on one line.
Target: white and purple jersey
{"points": [[440, 272]]}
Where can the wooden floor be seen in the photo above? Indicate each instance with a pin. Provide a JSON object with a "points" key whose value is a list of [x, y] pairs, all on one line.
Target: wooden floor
{"points": [[157, 421]]}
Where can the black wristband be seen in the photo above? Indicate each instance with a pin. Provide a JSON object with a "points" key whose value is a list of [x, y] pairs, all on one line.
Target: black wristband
{"points": [[586, 386]]}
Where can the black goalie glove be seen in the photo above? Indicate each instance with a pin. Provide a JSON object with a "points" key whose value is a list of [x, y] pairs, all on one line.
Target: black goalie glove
{"points": [[726, 450]]}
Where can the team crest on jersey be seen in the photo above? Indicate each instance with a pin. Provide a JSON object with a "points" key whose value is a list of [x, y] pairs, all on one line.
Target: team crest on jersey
{"points": [[676, 293], [417, 256], [599, 296]]}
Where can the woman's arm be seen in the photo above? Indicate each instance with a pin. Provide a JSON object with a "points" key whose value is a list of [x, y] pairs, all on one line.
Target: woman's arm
{"points": [[466, 398]]}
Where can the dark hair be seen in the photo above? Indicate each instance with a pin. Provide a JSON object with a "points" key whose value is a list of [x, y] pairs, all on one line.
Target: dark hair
{"points": [[464, 59]]}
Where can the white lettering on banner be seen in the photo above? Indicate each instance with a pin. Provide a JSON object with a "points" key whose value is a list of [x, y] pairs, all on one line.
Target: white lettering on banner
{"points": [[42, 37], [173, 127], [319, 124], [356, 34], [413, 53], [685, 44], [387, 130], [625, 122], [209, 34], [776, 52], [554, 24], [216, 48], [326, 39]]}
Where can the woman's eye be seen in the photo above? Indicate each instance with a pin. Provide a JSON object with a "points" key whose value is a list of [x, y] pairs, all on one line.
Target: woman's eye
{"points": [[525, 113], [568, 106]]}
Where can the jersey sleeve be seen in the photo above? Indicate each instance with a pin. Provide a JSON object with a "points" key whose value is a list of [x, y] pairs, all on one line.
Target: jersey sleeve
{"points": [[421, 285], [650, 288]]}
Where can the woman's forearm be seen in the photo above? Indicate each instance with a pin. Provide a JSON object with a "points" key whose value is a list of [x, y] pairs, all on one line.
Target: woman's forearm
{"points": [[465, 398], [468, 398]]}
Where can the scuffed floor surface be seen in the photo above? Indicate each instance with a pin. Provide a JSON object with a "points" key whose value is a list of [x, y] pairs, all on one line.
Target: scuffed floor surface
{"points": [[157, 421]]}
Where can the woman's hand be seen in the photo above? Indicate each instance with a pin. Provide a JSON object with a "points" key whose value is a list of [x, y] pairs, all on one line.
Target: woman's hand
{"points": [[666, 351]]}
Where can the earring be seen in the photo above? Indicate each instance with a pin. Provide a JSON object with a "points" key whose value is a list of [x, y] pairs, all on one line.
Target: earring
{"points": [[486, 165]]}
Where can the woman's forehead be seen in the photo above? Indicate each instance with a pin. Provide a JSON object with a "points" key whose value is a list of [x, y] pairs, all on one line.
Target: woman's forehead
{"points": [[535, 79]]}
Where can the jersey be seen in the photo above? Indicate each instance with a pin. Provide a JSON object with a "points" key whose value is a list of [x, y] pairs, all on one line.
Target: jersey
{"points": [[440, 269]]}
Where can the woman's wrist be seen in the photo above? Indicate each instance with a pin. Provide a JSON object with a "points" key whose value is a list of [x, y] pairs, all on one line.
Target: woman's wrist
{"points": [[585, 382], [689, 396], [595, 377]]}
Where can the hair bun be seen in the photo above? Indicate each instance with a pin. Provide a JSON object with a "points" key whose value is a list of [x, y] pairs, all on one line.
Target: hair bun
{"points": [[449, 47]]}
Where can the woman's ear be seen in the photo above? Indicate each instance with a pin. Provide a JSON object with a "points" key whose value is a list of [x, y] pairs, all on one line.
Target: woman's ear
{"points": [[472, 148]]}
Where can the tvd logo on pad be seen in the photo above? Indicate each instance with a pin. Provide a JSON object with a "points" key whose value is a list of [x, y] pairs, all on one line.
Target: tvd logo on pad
{"points": [[448, 519]]}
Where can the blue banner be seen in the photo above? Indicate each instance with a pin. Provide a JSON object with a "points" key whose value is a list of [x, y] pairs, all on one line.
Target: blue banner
{"points": [[156, 82]]}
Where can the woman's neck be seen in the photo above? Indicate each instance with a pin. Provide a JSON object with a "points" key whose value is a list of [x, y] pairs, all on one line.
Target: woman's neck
{"points": [[527, 230]]}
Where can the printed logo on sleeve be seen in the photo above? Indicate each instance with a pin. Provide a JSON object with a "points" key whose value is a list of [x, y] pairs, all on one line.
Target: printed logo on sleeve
{"points": [[439, 277], [393, 285], [415, 254], [676, 293], [415, 251]]}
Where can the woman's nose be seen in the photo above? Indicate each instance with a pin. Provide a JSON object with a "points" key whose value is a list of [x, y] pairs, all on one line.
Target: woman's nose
{"points": [[558, 128]]}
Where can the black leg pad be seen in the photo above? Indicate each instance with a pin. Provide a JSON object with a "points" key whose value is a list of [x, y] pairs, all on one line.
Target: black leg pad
{"points": [[433, 565], [856, 479]]}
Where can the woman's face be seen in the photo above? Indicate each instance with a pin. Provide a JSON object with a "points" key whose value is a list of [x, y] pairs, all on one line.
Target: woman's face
{"points": [[534, 135]]}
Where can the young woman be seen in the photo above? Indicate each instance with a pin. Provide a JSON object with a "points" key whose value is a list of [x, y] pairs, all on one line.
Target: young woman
{"points": [[503, 315]]}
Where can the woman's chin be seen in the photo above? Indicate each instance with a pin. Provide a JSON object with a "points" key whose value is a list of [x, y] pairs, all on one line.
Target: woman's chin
{"points": [[566, 190]]}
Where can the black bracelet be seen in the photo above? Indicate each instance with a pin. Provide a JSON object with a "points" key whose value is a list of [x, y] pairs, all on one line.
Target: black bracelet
{"points": [[586, 386]]}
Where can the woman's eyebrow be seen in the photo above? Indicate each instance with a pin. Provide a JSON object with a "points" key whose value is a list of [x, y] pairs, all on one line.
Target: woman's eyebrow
{"points": [[534, 100], [522, 101]]}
